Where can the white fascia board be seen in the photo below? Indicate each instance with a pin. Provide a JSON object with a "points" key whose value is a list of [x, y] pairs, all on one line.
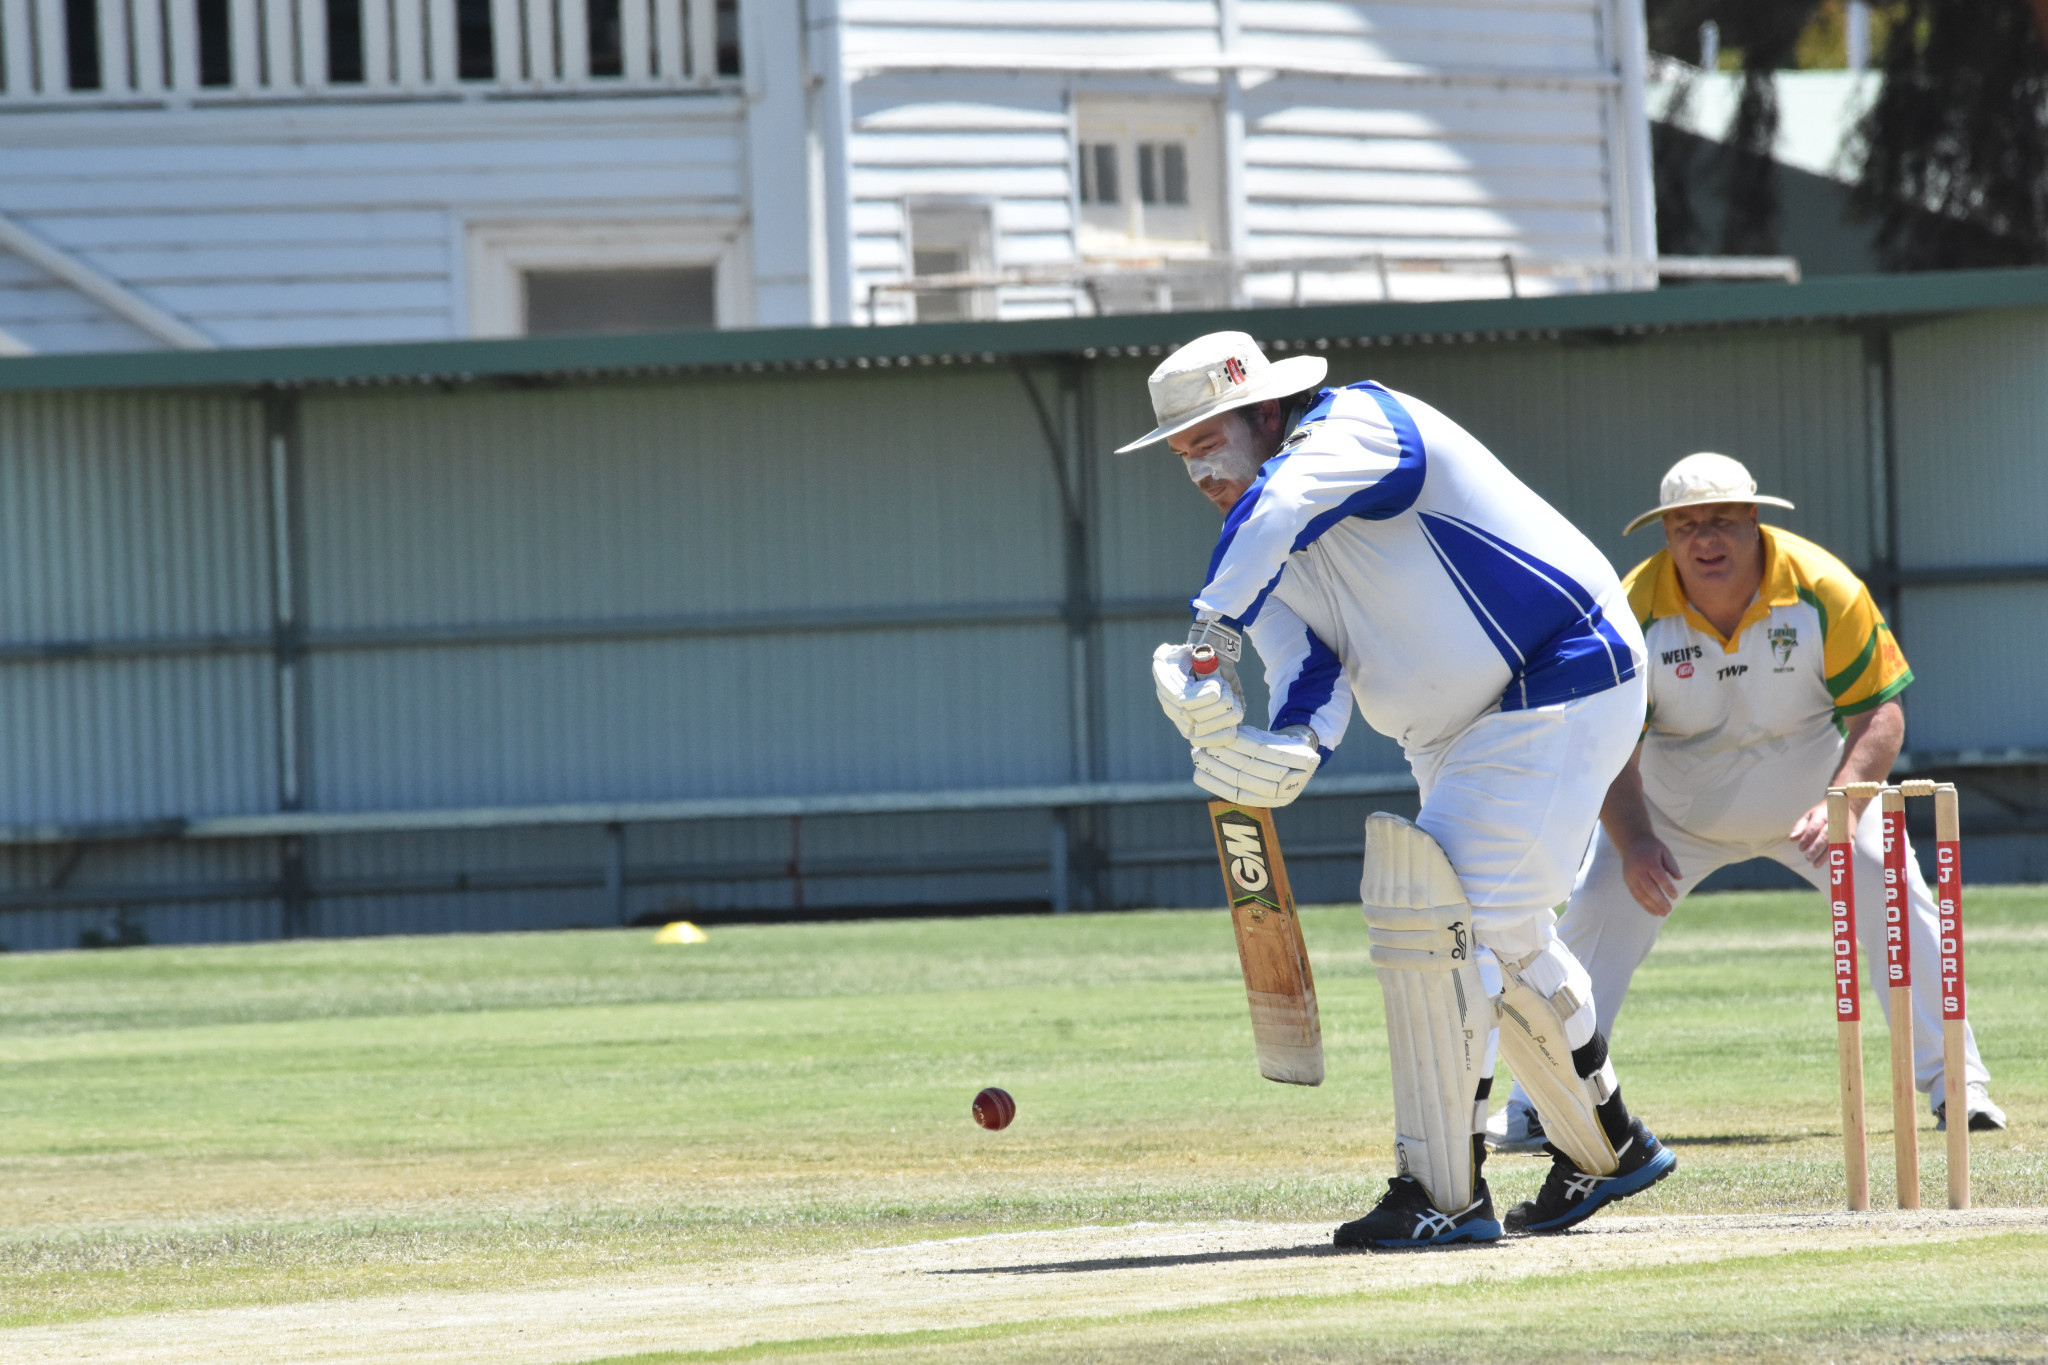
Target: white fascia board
{"points": [[424, 120], [875, 64]]}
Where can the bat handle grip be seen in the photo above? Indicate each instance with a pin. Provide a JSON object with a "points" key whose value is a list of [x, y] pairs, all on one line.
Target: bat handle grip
{"points": [[1204, 661]]}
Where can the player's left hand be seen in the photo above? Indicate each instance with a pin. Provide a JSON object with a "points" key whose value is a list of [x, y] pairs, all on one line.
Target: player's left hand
{"points": [[1204, 710], [1810, 832], [1258, 767]]}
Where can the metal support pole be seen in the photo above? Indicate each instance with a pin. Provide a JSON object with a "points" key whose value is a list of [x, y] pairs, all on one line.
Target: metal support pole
{"points": [[615, 870], [1084, 617], [796, 864], [1062, 891], [1067, 423], [1881, 433], [292, 725]]}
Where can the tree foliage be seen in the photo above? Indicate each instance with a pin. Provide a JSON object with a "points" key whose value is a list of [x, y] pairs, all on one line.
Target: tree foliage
{"points": [[1955, 166], [1765, 34]]}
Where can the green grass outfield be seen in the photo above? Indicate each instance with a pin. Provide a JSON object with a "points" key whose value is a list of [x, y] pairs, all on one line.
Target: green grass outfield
{"points": [[320, 1122]]}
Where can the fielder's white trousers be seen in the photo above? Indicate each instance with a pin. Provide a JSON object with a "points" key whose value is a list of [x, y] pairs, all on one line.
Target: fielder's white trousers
{"points": [[1611, 934], [1513, 799]]}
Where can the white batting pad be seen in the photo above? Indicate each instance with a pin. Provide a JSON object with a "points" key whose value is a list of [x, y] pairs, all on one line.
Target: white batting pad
{"points": [[1547, 1012], [1439, 1000]]}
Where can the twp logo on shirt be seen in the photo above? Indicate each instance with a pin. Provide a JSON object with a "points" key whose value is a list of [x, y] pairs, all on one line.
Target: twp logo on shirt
{"points": [[1731, 671], [1685, 655]]}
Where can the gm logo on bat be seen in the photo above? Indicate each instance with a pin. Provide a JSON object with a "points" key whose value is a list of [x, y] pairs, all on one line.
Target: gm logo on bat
{"points": [[1245, 861]]}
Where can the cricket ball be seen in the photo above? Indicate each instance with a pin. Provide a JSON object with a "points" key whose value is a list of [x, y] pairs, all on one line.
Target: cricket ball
{"points": [[994, 1108]]}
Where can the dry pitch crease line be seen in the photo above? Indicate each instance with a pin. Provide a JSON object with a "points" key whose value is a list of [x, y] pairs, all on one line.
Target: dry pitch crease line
{"points": [[1072, 1274]]}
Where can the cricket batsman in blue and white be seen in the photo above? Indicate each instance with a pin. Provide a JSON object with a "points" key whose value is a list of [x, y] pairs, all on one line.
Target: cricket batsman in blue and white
{"points": [[1374, 552]]}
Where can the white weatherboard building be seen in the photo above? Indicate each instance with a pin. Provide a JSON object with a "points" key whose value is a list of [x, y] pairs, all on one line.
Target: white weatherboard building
{"points": [[194, 173]]}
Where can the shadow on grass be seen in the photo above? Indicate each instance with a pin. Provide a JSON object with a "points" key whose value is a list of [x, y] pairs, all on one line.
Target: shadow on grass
{"points": [[1740, 1139], [1165, 1262]]}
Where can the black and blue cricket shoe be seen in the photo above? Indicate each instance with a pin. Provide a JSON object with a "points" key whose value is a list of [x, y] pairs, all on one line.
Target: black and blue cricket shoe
{"points": [[1405, 1218], [1569, 1196]]}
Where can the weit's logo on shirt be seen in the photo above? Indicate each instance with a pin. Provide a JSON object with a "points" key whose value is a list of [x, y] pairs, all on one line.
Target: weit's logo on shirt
{"points": [[1685, 655]]}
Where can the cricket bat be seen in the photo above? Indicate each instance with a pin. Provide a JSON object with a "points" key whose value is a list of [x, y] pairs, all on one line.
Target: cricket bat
{"points": [[1277, 983]]}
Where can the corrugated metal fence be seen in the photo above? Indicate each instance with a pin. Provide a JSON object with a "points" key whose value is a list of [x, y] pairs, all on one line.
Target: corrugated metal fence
{"points": [[919, 579]]}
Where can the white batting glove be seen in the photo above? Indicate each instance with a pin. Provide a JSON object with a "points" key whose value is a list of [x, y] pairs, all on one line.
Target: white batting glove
{"points": [[1259, 767], [1205, 710]]}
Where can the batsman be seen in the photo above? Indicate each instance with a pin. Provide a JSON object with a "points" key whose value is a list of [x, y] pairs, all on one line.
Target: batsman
{"points": [[1375, 553]]}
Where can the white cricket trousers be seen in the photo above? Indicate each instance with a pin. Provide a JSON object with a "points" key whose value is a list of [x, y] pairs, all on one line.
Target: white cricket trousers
{"points": [[1611, 934], [1514, 798]]}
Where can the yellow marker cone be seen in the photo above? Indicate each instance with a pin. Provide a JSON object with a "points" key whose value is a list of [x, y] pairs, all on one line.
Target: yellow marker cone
{"points": [[682, 931]]}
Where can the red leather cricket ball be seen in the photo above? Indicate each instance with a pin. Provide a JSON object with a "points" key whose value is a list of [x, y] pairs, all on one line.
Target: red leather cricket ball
{"points": [[994, 1108]]}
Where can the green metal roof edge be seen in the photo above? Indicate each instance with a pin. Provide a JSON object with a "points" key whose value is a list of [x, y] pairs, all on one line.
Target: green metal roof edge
{"points": [[1839, 297]]}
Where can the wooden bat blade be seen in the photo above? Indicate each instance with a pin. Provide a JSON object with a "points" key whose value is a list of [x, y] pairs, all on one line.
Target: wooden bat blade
{"points": [[1286, 1031]]}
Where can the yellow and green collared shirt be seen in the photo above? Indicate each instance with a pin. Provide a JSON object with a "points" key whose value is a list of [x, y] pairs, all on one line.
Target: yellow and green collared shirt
{"points": [[1755, 720]]}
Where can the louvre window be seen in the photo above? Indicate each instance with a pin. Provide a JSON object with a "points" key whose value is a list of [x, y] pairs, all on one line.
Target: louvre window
{"points": [[1163, 172], [1150, 177], [1098, 173]]}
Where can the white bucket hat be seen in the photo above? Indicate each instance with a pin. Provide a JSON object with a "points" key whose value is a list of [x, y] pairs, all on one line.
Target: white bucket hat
{"points": [[1703, 478], [1216, 373]]}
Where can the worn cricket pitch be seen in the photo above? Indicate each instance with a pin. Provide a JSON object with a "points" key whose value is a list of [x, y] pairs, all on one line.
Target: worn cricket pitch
{"points": [[567, 1148], [1069, 1278]]}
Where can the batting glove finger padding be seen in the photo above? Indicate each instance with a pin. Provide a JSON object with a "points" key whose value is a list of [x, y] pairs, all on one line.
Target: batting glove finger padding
{"points": [[1204, 710], [1256, 767]]}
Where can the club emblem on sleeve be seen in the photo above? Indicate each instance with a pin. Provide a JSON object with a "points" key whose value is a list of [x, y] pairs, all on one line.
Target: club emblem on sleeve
{"points": [[1784, 639]]}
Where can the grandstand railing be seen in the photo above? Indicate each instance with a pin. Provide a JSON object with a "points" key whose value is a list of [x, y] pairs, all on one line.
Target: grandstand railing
{"points": [[614, 817], [99, 52]]}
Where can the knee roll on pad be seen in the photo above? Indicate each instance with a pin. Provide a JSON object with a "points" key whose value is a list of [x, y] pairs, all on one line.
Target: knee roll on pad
{"points": [[1548, 1033], [1439, 988]]}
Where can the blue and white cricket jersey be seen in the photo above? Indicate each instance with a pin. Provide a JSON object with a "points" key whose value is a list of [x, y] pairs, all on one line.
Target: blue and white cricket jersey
{"points": [[1385, 554]]}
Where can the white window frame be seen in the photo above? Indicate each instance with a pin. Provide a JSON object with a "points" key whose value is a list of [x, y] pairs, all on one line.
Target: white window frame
{"points": [[982, 244], [499, 252], [1127, 121]]}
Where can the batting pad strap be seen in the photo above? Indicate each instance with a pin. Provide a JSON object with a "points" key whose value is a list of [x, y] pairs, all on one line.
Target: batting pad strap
{"points": [[1549, 1038]]}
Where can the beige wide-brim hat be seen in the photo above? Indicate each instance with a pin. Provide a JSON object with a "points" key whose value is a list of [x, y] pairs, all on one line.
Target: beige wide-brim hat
{"points": [[1703, 478], [1216, 373]]}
